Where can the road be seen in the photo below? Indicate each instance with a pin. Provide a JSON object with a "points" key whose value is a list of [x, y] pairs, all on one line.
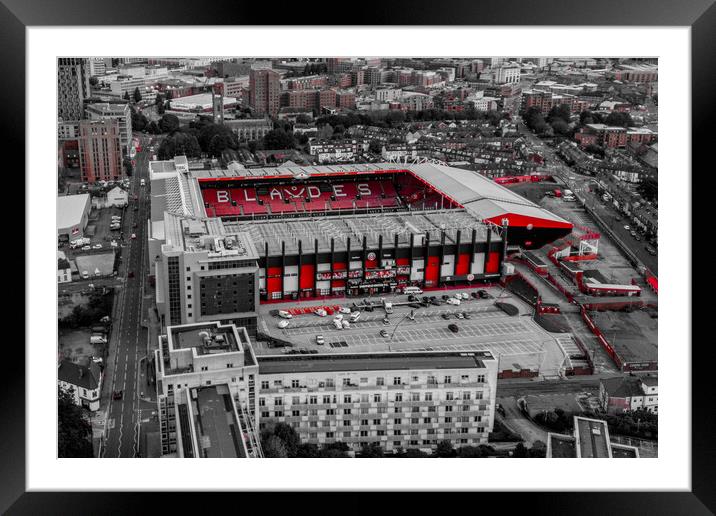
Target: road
{"points": [[129, 337], [580, 184]]}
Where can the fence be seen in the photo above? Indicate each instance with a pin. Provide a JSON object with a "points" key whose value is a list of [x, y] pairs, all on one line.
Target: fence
{"points": [[600, 337]]}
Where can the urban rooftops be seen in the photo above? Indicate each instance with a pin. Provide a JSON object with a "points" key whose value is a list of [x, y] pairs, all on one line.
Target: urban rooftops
{"points": [[205, 338]]}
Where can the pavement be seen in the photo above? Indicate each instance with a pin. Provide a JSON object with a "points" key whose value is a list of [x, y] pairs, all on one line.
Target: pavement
{"points": [[130, 333]]}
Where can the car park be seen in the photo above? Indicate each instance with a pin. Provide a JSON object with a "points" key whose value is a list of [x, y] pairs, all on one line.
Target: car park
{"points": [[320, 340], [453, 328]]}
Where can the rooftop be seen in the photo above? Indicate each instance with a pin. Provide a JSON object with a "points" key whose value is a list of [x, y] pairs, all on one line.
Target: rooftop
{"points": [[87, 377], [70, 209], [195, 234], [592, 437], [371, 362], [217, 427], [205, 338], [561, 446]]}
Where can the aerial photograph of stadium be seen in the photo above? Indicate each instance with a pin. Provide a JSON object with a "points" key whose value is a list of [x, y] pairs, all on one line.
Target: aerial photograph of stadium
{"points": [[357, 257]]}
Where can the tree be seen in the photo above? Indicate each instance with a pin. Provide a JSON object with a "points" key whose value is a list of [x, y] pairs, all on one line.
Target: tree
{"points": [[520, 451], [619, 119], [139, 120], [649, 189], [168, 123], [288, 436], [128, 167], [445, 449], [372, 450], [307, 451], [126, 95], [559, 126], [179, 144], [279, 139], [375, 147], [274, 447], [303, 119], [469, 452], [334, 450], [74, 431], [538, 450], [153, 128], [93, 81], [137, 95]]}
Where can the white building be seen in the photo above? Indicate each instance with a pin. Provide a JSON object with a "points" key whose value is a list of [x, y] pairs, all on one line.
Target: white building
{"points": [[506, 74], [83, 382], [629, 393], [72, 215], [64, 269], [200, 356], [398, 400]]}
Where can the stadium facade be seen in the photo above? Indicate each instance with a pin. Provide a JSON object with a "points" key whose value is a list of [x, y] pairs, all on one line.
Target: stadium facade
{"points": [[339, 230]]}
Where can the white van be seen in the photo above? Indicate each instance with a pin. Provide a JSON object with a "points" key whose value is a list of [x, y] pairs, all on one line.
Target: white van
{"points": [[412, 290], [284, 314]]}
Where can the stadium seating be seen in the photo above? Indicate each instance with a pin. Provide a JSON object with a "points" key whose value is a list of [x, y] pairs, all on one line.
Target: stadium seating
{"points": [[341, 195]]}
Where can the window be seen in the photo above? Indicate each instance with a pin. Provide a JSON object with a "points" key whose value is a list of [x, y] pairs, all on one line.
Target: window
{"points": [[278, 383], [427, 420], [432, 380], [264, 384], [278, 413], [376, 398], [478, 395], [376, 421], [326, 400], [415, 396], [347, 398], [382, 410], [347, 411], [364, 422], [330, 412], [364, 433], [278, 401], [329, 435], [448, 379], [313, 412], [364, 398], [295, 384], [229, 366], [397, 421], [465, 378], [346, 422], [364, 410], [448, 396], [313, 400], [346, 434], [296, 400], [295, 413], [364, 380], [448, 420], [265, 414], [466, 395], [262, 402], [381, 432], [416, 409], [415, 379], [381, 381], [448, 408], [396, 380], [415, 421], [428, 396], [480, 378], [399, 397], [313, 424], [346, 381]]}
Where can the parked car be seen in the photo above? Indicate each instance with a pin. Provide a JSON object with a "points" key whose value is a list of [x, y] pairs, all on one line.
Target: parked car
{"points": [[465, 295], [445, 316], [475, 295], [459, 315], [130, 274], [86, 248], [117, 395], [483, 294], [344, 310], [445, 297], [134, 236], [386, 321], [97, 246], [651, 250], [384, 334], [627, 227], [453, 328], [321, 312], [355, 316], [284, 314], [320, 340], [453, 301], [283, 323]]}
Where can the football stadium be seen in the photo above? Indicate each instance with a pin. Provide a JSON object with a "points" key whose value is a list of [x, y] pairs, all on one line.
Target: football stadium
{"points": [[361, 228]]}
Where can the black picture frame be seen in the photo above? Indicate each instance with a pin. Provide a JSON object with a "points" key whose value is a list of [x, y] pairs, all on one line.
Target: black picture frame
{"points": [[700, 15]]}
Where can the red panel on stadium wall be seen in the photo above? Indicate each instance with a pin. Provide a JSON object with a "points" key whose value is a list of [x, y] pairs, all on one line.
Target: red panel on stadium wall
{"points": [[273, 284], [432, 270], [338, 283], [308, 276], [463, 264], [523, 221], [493, 263], [339, 266], [371, 264]]}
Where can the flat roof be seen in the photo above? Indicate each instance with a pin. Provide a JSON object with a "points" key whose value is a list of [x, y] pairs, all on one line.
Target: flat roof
{"points": [[216, 423], [370, 362], [194, 337], [593, 438], [634, 335], [70, 209]]}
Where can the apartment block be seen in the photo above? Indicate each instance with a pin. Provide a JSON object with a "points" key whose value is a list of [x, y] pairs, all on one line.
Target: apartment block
{"points": [[100, 150], [399, 399]]}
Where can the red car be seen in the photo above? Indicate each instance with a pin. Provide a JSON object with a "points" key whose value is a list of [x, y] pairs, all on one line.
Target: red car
{"points": [[130, 274], [117, 395]]}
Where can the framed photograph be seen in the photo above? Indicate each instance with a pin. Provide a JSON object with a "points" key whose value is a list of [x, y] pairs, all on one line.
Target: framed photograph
{"points": [[414, 234]]}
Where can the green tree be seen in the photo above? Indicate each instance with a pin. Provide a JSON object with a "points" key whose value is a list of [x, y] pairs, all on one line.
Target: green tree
{"points": [[619, 119], [126, 95], [334, 450], [307, 451], [74, 431], [153, 128], [520, 451], [168, 123], [538, 450], [179, 144], [137, 95], [469, 452], [128, 167], [93, 81]]}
